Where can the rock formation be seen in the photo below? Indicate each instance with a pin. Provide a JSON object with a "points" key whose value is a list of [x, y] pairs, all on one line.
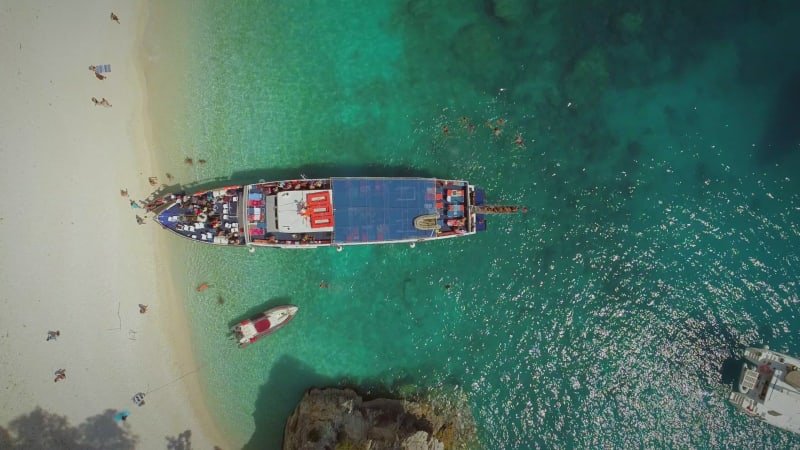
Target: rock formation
{"points": [[339, 419]]}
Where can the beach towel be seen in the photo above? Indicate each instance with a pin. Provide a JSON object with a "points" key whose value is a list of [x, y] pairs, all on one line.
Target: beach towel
{"points": [[139, 399], [102, 68]]}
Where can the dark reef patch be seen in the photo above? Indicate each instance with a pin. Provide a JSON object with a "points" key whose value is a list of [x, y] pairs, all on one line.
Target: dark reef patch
{"points": [[781, 137]]}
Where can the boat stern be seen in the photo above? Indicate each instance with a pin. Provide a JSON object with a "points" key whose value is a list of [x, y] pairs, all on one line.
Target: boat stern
{"points": [[244, 332]]}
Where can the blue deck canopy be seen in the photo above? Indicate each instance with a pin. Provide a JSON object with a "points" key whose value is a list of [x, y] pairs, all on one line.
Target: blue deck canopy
{"points": [[381, 209]]}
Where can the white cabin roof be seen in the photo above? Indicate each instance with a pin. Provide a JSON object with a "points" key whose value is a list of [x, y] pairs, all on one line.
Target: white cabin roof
{"points": [[765, 392], [290, 212]]}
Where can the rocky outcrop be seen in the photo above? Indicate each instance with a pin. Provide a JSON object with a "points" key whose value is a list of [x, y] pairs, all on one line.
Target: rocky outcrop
{"points": [[339, 419]]}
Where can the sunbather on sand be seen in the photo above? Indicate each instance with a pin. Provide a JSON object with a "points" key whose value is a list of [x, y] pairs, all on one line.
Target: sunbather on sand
{"points": [[114, 17], [99, 75], [105, 103]]}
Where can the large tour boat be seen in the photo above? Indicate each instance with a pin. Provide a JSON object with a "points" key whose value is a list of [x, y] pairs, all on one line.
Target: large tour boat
{"points": [[309, 213], [769, 388]]}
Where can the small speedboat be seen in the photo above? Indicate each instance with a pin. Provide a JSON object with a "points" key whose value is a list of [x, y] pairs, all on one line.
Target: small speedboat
{"points": [[262, 324]]}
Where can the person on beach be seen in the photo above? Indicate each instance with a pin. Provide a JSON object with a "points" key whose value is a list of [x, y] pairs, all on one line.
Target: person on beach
{"points": [[95, 101], [61, 374], [123, 192], [139, 220], [138, 399], [99, 75], [142, 308], [53, 335], [115, 19], [105, 103], [188, 161]]}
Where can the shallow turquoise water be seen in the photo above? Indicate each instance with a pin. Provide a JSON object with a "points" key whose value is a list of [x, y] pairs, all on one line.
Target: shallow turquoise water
{"points": [[658, 169]]}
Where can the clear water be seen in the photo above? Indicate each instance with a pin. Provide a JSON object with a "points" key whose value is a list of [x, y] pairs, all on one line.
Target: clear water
{"points": [[659, 169]]}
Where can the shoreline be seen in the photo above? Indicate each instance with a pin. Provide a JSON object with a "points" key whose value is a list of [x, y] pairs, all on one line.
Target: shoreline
{"points": [[76, 259], [156, 139]]}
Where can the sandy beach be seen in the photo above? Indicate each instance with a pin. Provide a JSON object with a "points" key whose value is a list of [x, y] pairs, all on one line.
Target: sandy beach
{"points": [[74, 258]]}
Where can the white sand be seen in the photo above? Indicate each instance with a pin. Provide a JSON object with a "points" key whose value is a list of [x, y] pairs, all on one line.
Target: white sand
{"points": [[73, 257]]}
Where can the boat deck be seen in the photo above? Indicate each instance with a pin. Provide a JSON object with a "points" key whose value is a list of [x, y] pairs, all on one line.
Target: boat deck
{"points": [[377, 210], [770, 390], [210, 216], [330, 211], [259, 213]]}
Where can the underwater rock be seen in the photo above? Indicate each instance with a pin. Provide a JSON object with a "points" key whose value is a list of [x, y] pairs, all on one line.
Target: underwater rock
{"points": [[511, 11], [476, 49], [630, 24], [421, 8], [585, 84], [341, 419], [476, 44]]}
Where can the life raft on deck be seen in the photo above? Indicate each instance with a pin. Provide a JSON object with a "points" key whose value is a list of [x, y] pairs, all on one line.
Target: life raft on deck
{"points": [[426, 222]]}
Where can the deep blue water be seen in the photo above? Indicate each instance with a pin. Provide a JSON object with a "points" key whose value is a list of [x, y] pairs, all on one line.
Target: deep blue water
{"points": [[659, 167]]}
